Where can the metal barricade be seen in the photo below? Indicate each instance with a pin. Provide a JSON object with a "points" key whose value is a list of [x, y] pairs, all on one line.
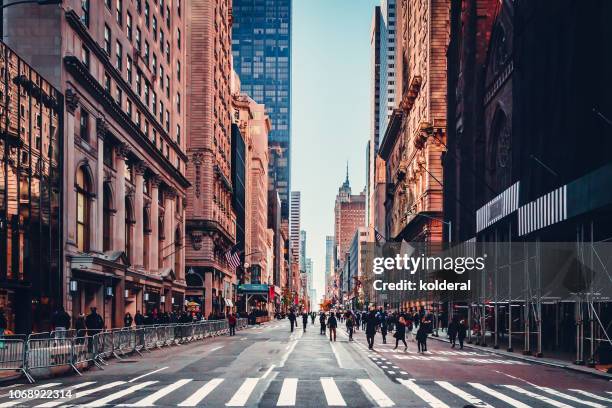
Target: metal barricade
{"points": [[51, 352], [13, 354], [83, 351]]}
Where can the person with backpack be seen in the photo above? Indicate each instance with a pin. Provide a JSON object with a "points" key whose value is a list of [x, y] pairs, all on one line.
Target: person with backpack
{"points": [[332, 323]]}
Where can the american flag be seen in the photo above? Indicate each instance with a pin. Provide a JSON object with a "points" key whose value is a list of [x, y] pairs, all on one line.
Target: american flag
{"points": [[379, 238], [232, 258]]}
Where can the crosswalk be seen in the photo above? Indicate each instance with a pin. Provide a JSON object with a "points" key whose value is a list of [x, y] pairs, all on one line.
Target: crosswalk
{"points": [[187, 392]]}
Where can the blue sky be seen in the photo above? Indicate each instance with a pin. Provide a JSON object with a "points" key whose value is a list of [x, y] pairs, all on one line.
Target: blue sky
{"points": [[330, 110]]}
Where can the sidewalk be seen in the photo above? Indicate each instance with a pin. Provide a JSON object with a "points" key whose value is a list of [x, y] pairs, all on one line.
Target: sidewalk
{"points": [[536, 360]]}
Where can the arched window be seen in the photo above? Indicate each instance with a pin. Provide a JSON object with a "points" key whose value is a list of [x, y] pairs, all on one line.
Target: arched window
{"points": [[107, 220], [83, 190], [129, 223]]}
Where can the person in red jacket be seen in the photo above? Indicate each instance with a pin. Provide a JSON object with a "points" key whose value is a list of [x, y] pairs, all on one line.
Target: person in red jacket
{"points": [[231, 320]]}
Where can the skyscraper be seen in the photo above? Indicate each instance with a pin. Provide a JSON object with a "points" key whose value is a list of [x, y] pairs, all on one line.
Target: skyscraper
{"points": [[387, 64], [261, 46], [294, 226], [302, 250], [329, 256]]}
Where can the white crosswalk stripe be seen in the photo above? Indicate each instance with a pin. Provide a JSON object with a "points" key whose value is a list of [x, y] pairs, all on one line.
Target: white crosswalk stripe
{"points": [[120, 394], [244, 392], [201, 393], [379, 397], [421, 393], [288, 393], [463, 395], [591, 395], [538, 397], [332, 393], [151, 399], [81, 394], [499, 395], [571, 398]]}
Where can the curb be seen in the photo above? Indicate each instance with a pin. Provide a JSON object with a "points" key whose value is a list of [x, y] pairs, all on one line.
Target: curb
{"points": [[534, 360]]}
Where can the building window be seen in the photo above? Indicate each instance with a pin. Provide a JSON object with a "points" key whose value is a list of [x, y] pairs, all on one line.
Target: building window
{"points": [[138, 44], [129, 69], [154, 102], [128, 25], [146, 53], [85, 13], [129, 224], [178, 102], [178, 134], [161, 36], [107, 82], [146, 93], [107, 39], [168, 17], [108, 4], [178, 38], [129, 108], [83, 190], [84, 125], [119, 56], [154, 28], [154, 66], [146, 13], [138, 83], [118, 95], [167, 121], [139, 6], [107, 214], [178, 7], [178, 70], [167, 52], [168, 86], [161, 76], [161, 112], [119, 15]]}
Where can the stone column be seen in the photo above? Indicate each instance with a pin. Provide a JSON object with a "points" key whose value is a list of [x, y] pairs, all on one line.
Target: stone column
{"points": [[122, 152], [97, 240], [154, 241], [72, 103], [169, 220], [139, 171]]}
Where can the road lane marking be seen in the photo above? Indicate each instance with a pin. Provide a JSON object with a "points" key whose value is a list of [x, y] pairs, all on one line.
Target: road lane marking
{"points": [[147, 374], [201, 393], [499, 395], [103, 401], [463, 395], [537, 396], [81, 394], [19, 401], [289, 351], [244, 392], [594, 396], [375, 393], [333, 347], [421, 393], [332, 393], [151, 399], [263, 377], [569, 397], [288, 393], [216, 348]]}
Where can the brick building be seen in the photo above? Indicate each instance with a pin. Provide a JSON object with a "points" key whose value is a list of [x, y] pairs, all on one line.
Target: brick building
{"points": [[211, 221], [120, 66]]}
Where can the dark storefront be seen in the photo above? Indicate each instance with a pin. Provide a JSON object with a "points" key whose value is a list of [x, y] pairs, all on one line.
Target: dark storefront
{"points": [[30, 191]]}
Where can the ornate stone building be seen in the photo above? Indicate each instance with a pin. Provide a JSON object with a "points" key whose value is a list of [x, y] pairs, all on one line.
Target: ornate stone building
{"points": [[120, 66], [211, 221], [413, 142]]}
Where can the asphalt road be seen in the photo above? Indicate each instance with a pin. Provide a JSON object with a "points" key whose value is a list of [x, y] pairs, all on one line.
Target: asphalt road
{"points": [[268, 366]]}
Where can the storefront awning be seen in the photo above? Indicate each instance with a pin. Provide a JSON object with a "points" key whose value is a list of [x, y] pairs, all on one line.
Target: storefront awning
{"points": [[254, 288]]}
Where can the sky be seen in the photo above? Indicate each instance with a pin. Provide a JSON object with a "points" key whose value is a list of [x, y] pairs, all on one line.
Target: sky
{"points": [[330, 111]]}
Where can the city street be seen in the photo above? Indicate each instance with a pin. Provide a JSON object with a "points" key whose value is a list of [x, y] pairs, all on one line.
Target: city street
{"points": [[268, 366]]}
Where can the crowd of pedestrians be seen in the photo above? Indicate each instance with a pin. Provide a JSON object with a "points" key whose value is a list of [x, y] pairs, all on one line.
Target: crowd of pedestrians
{"points": [[402, 325]]}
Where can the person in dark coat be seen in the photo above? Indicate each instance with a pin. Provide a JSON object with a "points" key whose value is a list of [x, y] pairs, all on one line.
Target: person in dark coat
{"points": [[357, 320], [292, 319], [400, 333], [322, 320], [332, 323], [452, 332], [350, 325], [231, 321], [304, 320], [94, 322], [383, 324], [371, 324], [127, 320], [461, 333], [139, 319], [421, 338], [81, 329]]}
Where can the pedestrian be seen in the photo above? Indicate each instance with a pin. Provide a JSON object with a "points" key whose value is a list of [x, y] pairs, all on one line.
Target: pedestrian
{"points": [[461, 332], [452, 331], [371, 325], [292, 319], [139, 319], [94, 324], [421, 338], [61, 322], [312, 318], [304, 320], [231, 322], [357, 320], [127, 320], [332, 323], [350, 324], [382, 322], [79, 325], [322, 320], [400, 333], [3, 326], [364, 319]]}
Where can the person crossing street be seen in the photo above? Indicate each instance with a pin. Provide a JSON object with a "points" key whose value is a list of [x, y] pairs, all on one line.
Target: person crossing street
{"points": [[371, 325], [332, 323], [292, 319]]}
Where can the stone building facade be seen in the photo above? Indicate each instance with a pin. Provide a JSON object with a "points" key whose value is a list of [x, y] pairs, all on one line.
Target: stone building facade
{"points": [[211, 221], [120, 66], [413, 142], [349, 214]]}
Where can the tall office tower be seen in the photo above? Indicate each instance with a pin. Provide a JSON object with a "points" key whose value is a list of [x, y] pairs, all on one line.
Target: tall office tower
{"points": [[329, 256], [372, 145], [261, 46], [387, 64], [302, 250], [349, 214], [294, 226]]}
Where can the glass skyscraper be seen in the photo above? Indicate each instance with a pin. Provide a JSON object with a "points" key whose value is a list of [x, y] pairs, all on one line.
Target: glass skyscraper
{"points": [[261, 46]]}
